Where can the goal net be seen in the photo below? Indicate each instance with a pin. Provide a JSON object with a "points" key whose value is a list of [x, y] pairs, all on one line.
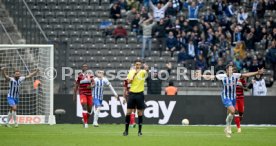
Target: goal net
{"points": [[36, 94]]}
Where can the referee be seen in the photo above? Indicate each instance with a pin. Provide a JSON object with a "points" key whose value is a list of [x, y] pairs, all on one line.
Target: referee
{"points": [[136, 77]]}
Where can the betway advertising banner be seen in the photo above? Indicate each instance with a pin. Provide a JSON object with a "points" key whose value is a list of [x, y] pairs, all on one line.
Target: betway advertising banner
{"points": [[113, 108], [162, 110]]}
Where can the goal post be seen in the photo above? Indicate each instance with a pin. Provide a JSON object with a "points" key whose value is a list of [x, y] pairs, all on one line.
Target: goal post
{"points": [[36, 101]]}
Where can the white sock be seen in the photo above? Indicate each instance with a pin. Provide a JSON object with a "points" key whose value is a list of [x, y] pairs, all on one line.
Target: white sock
{"points": [[96, 115], [9, 117], [92, 109], [229, 119], [14, 117]]}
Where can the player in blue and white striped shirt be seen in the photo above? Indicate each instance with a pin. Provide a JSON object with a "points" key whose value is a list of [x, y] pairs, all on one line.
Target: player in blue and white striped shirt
{"points": [[99, 82], [13, 93], [228, 94]]}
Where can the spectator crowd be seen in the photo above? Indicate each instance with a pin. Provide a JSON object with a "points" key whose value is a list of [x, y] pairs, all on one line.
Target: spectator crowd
{"points": [[205, 33]]}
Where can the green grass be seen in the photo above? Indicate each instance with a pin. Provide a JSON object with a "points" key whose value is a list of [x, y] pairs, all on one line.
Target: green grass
{"points": [[153, 135]]}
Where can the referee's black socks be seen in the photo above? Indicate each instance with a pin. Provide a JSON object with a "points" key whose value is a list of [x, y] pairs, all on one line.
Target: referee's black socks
{"points": [[140, 122], [127, 122]]}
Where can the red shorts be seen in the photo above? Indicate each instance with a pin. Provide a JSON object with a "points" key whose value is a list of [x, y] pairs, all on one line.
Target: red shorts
{"points": [[86, 99], [240, 105]]}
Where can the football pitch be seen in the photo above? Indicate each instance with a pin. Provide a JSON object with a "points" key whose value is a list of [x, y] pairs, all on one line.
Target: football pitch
{"points": [[153, 135]]}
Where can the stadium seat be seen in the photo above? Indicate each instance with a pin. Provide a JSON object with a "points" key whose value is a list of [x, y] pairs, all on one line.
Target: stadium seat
{"points": [[110, 53], [173, 60], [72, 46], [65, 40], [75, 21], [47, 27], [161, 60], [110, 40], [51, 2], [105, 2], [132, 34], [74, 34], [83, 2], [58, 27], [132, 40], [60, 14], [67, 8], [55, 8], [99, 40], [40, 2], [87, 54], [31, 2], [51, 34], [120, 66], [38, 14], [64, 21], [191, 84], [63, 34], [88, 8], [81, 28], [34, 8], [155, 53], [203, 84], [76, 40], [72, 2], [88, 40], [126, 47], [87, 21], [121, 41], [104, 15], [99, 8], [42, 21], [44, 8], [116, 47], [166, 54], [269, 72], [71, 14], [94, 2], [138, 47], [98, 20], [53, 21], [62, 2], [77, 8], [86, 34], [104, 47], [97, 34], [92, 14], [49, 15], [123, 22], [82, 14], [214, 84], [92, 28]]}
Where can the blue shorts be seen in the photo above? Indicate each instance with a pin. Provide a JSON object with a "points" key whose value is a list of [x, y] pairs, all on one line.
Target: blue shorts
{"points": [[12, 101], [97, 102], [228, 102]]}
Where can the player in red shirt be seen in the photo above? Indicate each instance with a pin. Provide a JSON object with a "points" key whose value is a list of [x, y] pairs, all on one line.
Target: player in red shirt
{"points": [[83, 84], [126, 91], [241, 86]]}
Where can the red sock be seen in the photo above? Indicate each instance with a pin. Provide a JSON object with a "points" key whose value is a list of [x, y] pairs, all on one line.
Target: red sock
{"points": [[85, 116], [237, 121], [88, 115], [132, 119]]}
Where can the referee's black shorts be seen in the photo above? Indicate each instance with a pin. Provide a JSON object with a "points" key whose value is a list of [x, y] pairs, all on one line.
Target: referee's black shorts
{"points": [[136, 101]]}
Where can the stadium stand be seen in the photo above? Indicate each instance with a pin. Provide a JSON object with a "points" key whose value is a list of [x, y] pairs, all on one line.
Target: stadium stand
{"points": [[80, 30]]}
